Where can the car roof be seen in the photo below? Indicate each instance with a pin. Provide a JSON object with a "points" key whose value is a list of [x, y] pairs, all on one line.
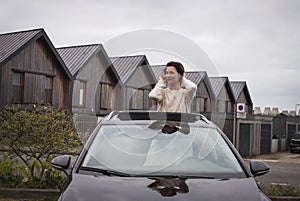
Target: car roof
{"points": [[123, 117]]}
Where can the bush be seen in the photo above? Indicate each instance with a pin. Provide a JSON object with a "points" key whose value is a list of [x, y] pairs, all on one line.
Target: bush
{"points": [[13, 175], [282, 190], [33, 136], [10, 172]]}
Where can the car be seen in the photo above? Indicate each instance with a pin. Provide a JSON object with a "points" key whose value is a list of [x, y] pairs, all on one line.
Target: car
{"points": [[150, 155], [295, 142]]}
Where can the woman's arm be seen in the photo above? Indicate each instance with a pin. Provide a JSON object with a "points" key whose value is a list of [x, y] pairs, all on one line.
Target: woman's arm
{"points": [[156, 93], [190, 86]]}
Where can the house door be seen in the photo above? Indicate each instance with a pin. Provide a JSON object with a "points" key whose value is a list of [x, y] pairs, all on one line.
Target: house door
{"points": [[265, 142], [245, 140]]}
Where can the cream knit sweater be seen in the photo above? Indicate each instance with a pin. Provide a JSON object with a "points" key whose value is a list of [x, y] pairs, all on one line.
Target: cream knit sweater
{"points": [[174, 100]]}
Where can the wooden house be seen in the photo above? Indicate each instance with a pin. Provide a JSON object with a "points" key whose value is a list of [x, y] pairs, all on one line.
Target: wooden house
{"points": [[32, 72], [224, 95], [158, 70], [241, 95], [136, 81], [223, 115], [94, 79], [205, 98]]}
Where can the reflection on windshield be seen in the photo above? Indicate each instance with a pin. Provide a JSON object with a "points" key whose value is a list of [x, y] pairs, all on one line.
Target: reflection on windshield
{"points": [[170, 127], [138, 149], [169, 187]]}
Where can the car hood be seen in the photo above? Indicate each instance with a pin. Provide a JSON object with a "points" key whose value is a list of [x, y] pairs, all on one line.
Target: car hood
{"points": [[90, 188]]}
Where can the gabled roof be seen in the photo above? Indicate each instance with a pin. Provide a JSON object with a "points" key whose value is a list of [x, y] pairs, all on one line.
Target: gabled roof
{"points": [[238, 87], [76, 56], [218, 83], [12, 43], [157, 70], [195, 76], [201, 76], [127, 65]]}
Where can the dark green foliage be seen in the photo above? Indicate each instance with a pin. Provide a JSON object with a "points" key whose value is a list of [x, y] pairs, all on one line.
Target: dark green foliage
{"points": [[34, 136], [10, 172]]}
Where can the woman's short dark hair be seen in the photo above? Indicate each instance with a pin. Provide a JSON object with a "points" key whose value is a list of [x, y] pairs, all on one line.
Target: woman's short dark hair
{"points": [[179, 67]]}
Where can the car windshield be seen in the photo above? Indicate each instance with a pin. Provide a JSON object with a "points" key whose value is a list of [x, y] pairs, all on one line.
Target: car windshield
{"points": [[138, 149]]}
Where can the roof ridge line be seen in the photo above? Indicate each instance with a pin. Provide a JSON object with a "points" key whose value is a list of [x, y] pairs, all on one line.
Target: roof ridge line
{"points": [[75, 46], [143, 55], [202, 71], [15, 32]]}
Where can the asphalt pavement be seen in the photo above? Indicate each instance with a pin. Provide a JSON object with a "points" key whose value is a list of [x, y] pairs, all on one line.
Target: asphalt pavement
{"points": [[284, 169]]}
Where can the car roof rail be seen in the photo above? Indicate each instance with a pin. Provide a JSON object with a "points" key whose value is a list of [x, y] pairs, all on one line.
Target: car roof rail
{"points": [[112, 114], [203, 118]]}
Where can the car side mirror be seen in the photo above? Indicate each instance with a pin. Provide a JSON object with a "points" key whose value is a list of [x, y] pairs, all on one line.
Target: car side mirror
{"points": [[62, 163], [258, 168]]}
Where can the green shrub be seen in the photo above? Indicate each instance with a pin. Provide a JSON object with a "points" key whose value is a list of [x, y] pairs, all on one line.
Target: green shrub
{"points": [[282, 190], [33, 136], [13, 175], [10, 172]]}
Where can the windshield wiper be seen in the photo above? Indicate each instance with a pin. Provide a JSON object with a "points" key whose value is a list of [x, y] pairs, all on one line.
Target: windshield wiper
{"points": [[106, 172], [167, 176]]}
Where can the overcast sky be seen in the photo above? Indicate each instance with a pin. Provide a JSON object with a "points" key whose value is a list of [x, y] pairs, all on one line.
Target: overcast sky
{"points": [[257, 41]]}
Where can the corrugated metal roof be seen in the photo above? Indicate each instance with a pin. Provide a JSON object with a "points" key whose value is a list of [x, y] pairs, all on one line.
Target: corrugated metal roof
{"points": [[237, 88], [76, 56], [195, 77], [157, 70], [126, 65], [217, 83], [11, 42]]}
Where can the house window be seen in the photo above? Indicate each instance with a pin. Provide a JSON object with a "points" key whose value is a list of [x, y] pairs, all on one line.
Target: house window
{"points": [[48, 89], [205, 107], [105, 96], [200, 104], [18, 87], [82, 93], [228, 106], [196, 104], [147, 103], [136, 98]]}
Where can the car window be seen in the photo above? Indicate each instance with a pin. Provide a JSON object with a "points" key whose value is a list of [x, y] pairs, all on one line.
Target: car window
{"points": [[137, 149], [296, 136]]}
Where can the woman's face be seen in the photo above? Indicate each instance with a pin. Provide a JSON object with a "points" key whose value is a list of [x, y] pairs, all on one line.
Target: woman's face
{"points": [[172, 76]]}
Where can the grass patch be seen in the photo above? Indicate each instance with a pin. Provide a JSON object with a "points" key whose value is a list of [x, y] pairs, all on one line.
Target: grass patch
{"points": [[281, 190]]}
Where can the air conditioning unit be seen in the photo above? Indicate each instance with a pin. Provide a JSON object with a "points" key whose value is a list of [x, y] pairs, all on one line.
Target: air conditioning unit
{"points": [[241, 108]]}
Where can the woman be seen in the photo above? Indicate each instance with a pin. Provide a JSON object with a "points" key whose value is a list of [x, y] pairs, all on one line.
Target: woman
{"points": [[173, 92]]}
